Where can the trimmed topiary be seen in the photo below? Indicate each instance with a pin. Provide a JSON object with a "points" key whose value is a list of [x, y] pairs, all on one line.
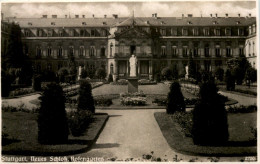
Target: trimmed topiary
{"points": [[52, 120], [37, 82], [210, 125], [85, 100], [175, 100], [230, 81]]}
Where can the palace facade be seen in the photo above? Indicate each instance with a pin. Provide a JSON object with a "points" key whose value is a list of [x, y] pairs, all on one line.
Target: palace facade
{"points": [[157, 42]]}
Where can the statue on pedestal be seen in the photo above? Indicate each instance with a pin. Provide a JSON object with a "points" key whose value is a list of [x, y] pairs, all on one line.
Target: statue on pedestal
{"points": [[133, 63], [187, 72]]}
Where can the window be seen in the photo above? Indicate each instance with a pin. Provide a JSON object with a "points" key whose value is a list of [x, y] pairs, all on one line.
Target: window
{"points": [[81, 51], [184, 32], [228, 32], [104, 32], [111, 49], [174, 51], [206, 31], [217, 51], [163, 32], [241, 51], [26, 33], [206, 51], [163, 51], [38, 52], [92, 67], [92, 51], [71, 50], [253, 29], [228, 51], [195, 31], [61, 33], [25, 49], [60, 51], [174, 31], [40, 33], [185, 51], [50, 32], [103, 51], [49, 50], [82, 32], [196, 52], [250, 30], [72, 32], [240, 31], [92, 32], [253, 48], [217, 32], [207, 64], [53, 23]]}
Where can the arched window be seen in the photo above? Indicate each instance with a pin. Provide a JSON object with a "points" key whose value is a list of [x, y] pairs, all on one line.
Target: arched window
{"points": [[111, 49], [92, 51], [103, 49]]}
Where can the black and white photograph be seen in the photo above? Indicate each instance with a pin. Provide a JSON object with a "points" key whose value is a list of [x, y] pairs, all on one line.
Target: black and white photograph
{"points": [[129, 81]]}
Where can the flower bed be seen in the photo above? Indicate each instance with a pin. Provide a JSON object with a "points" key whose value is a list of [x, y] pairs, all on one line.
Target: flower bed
{"points": [[21, 91], [146, 82], [133, 101], [163, 101], [184, 119], [242, 109], [102, 101], [135, 94], [120, 82]]}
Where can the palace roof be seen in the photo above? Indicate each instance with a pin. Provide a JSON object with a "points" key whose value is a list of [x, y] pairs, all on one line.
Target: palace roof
{"points": [[137, 21]]}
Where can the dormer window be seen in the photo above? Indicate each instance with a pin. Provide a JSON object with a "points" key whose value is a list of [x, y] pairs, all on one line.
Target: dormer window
{"points": [[238, 22], [189, 22], [162, 22], [215, 22], [52, 23], [84, 23], [104, 23], [30, 23]]}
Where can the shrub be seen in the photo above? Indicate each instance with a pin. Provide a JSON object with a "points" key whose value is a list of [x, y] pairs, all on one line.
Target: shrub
{"points": [[100, 73], [230, 81], [219, 73], [37, 83], [79, 121], [184, 119], [175, 99], [146, 82], [110, 78], [101, 101], [120, 82], [158, 77], [5, 84], [85, 99], [134, 101], [21, 91], [62, 73], [210, 125], [135, 94], [242, 109], [166, 73], [160, 101], [52, 120]]}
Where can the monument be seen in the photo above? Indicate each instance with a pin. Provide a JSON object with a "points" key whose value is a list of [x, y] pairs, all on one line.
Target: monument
{"points": [[132, 79], [187, 72]]}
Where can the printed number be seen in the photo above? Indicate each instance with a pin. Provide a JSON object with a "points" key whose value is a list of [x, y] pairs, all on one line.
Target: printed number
{"points": [[250, 158]]}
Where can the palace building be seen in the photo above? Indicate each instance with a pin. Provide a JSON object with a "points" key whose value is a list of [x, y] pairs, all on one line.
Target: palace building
{"points": [[157, 42]]}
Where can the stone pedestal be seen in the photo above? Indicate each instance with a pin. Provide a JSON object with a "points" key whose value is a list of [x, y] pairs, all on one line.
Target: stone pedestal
{"points": [[132, 84]]}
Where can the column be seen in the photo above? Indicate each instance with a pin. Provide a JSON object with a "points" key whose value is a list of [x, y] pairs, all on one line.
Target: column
{"points": [[115, 75], [150, 69]]}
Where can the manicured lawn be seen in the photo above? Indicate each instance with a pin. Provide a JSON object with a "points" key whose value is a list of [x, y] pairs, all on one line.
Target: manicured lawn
{"points": [[240, 143], [22, 130]]}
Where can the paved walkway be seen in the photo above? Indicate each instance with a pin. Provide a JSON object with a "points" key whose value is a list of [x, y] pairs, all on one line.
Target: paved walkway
{"points": [[132, 133], [242, 100]]}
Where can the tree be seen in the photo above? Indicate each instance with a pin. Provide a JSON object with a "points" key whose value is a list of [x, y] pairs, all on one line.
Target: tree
{"points": [[37, 82], [192, 68], [175, 99], [100, 73], [210, 125], [238, 67], [85, 99], [219, 73], [52, 120], [166, 73], [84, 73], [251, 75], [5, 83], [230, 81], [175, 73], [62, 73], [14, 57], [72, 68]]}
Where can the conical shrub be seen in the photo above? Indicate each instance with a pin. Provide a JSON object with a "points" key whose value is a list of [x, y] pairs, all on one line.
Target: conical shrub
{"points": [[86, 100]]}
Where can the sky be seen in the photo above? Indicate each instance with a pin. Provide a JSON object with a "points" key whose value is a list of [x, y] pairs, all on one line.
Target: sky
{"points": [[125, 9]]}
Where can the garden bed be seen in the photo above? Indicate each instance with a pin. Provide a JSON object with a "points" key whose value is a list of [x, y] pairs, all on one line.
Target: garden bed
{"points": [[241, 140], [22, 131]]}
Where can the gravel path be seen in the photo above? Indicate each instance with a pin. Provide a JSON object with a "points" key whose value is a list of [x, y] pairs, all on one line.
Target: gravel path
{"points": [[242, 100], [132, 133]]}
